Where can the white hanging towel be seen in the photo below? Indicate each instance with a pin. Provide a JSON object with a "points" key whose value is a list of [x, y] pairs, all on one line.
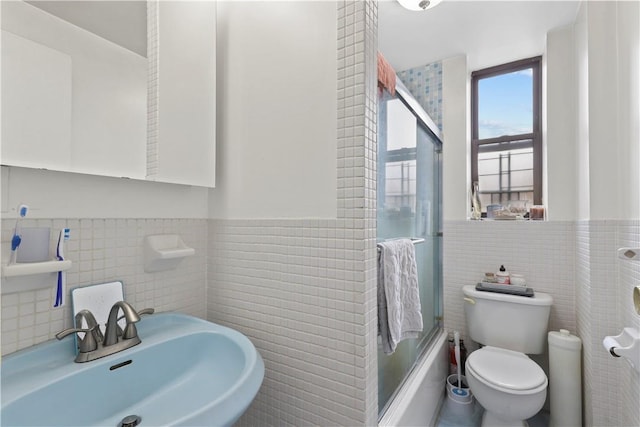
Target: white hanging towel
{"points": [[399, 311]]}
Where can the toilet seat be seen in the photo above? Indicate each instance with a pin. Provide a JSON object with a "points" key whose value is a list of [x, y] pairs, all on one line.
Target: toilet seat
{"points": [[505, 370]]}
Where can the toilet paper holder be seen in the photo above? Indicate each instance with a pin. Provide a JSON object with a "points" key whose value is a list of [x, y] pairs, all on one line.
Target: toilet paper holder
{"points": [[626, 345]]}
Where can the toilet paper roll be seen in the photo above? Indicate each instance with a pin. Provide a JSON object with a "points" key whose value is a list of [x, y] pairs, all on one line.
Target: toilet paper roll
{"points": [[609, 343]]}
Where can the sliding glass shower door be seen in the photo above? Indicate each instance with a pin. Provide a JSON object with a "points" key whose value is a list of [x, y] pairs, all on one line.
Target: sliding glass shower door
{"points": [[409, 206]]}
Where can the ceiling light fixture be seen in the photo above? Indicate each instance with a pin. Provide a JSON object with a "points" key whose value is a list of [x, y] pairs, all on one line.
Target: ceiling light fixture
{"points": [[419, 4]]}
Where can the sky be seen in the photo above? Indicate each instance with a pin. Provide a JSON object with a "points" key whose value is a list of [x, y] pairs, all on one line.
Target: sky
{"points": [[506, 104]]}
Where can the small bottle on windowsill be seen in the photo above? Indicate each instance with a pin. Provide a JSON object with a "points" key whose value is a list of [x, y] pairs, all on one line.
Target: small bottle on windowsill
{"points": [[537, 213]]}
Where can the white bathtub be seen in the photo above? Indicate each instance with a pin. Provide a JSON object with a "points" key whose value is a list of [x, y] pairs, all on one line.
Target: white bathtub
{"points": [[418, 401]]}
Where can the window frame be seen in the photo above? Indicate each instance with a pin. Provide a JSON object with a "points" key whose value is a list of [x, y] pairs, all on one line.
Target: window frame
{"points": [[535, 64]]}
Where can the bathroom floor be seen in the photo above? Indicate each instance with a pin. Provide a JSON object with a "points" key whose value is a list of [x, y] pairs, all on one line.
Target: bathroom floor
{"points": [[456, 415]]}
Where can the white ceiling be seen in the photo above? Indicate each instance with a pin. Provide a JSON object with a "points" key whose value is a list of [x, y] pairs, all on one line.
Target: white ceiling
{"points": [[488, 32]]}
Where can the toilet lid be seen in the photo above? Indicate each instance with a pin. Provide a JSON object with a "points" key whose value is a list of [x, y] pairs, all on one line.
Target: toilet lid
{"points": [[506, 369]]}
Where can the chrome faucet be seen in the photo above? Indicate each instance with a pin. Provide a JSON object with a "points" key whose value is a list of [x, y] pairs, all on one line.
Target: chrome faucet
{"points": [[93, 345]]}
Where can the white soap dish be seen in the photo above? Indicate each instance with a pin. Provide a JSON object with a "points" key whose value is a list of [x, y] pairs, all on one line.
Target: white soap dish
{"points": [[164, 252]]}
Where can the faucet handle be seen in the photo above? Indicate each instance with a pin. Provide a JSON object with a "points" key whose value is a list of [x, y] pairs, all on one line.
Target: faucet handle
{"points": [[86, 344], [146, 311], [70, 331], [140, 313]]}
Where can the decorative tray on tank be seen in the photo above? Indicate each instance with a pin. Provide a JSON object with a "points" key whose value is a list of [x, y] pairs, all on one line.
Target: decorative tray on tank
{"points": [[505, 289]]}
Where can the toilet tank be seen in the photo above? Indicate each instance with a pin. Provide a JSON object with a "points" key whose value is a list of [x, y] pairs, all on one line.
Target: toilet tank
{"points": [[507, 321]]}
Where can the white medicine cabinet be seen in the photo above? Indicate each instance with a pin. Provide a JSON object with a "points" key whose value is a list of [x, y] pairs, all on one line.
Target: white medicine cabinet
{"points": [[119, 89]]}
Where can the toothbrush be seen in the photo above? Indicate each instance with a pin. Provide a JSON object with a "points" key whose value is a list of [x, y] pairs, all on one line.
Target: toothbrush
{"points": [[17, 238], [64, 235]]}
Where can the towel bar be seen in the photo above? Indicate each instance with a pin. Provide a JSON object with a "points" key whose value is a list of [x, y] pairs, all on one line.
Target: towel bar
{"points": [[414, 240]]}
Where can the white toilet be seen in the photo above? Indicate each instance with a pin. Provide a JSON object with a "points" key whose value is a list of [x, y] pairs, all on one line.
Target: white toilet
{"points": [[509, 386]]}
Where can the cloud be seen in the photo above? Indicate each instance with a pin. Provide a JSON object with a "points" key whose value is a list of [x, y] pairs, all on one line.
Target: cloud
{"points": [[495, 128], [526, 72]]}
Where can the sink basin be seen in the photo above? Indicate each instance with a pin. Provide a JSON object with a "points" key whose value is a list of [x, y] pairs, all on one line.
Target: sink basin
{"points": [[186, 371]]}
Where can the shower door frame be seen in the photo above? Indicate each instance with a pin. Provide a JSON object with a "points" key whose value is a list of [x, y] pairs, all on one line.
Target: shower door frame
{"points": [[424, 121]]}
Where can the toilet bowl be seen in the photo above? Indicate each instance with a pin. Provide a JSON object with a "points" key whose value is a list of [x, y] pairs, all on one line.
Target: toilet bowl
{"points": [[509, 385]]}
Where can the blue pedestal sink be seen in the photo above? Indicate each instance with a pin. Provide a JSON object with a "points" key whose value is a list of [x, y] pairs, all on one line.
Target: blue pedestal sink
{"points": [[186, 372]]}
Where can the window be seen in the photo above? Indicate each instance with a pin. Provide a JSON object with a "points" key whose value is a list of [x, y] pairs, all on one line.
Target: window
{"points": [[506, 142]]}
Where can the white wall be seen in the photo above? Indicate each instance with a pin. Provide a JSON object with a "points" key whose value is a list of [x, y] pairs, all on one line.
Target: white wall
{"points": [[604, 185], [456, 170], [69, 195], [581, 57], [276, 136], [559, 138], [628, 112], [607, 54], [607, 57], [108, 93]]}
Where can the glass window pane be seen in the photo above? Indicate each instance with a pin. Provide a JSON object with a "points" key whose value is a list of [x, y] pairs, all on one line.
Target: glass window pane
{"points": [[489, 183], [521, 160], [400, 186], [401, 126], [487, 163], [505, 104], [505, 174]]}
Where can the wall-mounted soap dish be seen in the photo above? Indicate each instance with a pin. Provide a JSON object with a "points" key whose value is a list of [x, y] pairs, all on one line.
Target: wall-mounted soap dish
{"points": [[164, 252]]}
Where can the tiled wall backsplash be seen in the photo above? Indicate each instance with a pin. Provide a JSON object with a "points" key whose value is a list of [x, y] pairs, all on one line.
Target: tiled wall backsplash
{"points": [[614, 385], [425, 84], [104, 250], [583, 317], [542, 251], [629, 274]]}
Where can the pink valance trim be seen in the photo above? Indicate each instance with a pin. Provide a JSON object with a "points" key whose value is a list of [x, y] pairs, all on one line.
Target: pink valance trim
{"points": [[386, 75]]}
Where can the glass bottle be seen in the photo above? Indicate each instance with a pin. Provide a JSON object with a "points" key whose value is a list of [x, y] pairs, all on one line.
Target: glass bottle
{"points": [[476, 207]]}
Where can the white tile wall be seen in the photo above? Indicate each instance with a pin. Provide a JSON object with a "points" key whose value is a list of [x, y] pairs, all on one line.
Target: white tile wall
{"points": [[294, 287], [153, 77], [304, 290], [629, 236], [104, 250], [605, 371], [583, 306], [613, 387]]}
